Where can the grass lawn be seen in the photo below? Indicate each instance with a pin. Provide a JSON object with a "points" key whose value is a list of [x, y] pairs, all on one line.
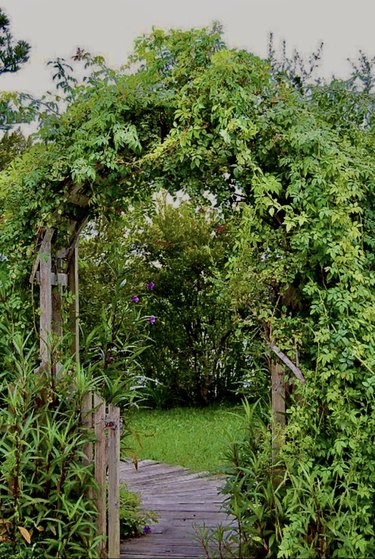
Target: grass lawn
{"points": [[190, 437]]}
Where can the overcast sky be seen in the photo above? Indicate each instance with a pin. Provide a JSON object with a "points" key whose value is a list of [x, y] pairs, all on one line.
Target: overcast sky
{"points": [[109, 27]]}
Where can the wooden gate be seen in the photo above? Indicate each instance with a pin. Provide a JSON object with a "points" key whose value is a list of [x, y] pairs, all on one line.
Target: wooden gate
{"points": [[54, 271]]}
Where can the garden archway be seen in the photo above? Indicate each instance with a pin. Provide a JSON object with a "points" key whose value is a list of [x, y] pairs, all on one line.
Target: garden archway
{"points": [[197, 116]]}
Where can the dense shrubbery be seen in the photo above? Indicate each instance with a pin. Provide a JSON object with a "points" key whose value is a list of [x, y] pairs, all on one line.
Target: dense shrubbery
{"points": [[43, 481], [170, 264], [279, 507]]}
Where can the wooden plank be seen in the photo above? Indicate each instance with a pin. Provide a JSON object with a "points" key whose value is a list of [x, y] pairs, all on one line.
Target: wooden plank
{"points": [[88, 421], [192, 501], [113, 423], [158, 469], [156, 486], [278, 393], [160, 476], [74, 307], [47, 238], [100, 472], [184, 501], [45, 300], [278, 412], [57, 322], [285, 359], [142, 475], [209, 507]]}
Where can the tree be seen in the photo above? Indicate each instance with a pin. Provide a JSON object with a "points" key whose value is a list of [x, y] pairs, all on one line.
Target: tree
{"points": [[12, 54], [12, 144]]}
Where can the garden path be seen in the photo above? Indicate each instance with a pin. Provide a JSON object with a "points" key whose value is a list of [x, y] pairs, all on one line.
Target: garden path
{"points": [[183, 500]]}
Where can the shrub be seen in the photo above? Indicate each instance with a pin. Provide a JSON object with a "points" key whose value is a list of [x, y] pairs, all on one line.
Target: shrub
{"points": [[43, 480], [255, 487], [134, 521]]}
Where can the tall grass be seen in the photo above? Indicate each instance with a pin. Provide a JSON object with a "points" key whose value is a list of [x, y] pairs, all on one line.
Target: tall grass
{"points": [[194, 438]]}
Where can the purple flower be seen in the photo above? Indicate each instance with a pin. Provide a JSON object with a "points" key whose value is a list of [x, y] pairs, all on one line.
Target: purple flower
{"points": [[146, 530], [150, 285], [152, 319], [135, 299]]}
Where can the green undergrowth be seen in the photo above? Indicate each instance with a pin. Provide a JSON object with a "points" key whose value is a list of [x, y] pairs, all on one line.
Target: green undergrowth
{"points": [[190, 437]]}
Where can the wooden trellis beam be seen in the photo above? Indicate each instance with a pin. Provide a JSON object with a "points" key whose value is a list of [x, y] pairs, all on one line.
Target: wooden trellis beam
{"points": [[44, 261]]}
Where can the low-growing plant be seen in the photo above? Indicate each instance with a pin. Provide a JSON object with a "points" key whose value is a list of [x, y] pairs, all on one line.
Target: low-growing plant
{"points": [[255, 486], [218, 543], [195, 438], [134, 521], [44, 481]]}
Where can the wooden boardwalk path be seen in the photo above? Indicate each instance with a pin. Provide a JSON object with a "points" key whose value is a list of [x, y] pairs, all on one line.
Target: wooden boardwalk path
{"points": [[183, 500]]}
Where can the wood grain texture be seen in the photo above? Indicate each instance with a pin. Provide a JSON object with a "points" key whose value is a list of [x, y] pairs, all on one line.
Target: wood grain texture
{"points": [[73, 284], [44, 260], [183, 500], [113, 423], [100, 471]]}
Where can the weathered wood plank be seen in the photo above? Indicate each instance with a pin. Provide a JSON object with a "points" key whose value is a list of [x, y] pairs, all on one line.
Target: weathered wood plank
{"points": [[285, 359], [278, 393], [100, 471], [184, 501], [88, 422], [163, 486], [74, 307], [45, 332], [113, 422]]}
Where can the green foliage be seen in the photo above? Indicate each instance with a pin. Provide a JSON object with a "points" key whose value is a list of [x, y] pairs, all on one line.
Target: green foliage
{"points": [[193, 353], [255, 487], [43, 480], [133, 519], [12, 145], [12, 55], [196, 116]]}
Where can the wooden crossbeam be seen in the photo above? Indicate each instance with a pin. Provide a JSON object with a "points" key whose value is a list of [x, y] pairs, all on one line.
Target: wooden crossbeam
{"points": [[45, 244], [285, 359], [56, 279]]}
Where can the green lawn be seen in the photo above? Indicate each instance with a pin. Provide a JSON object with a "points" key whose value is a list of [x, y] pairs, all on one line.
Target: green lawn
{"points": [[190, 437]]}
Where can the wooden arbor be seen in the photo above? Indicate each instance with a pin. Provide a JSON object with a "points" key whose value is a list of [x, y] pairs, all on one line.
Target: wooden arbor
{"points": [[54, 271], [278, 391]]}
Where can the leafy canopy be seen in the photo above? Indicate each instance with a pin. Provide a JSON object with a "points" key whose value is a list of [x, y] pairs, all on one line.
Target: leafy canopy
{"points": [[190, 114]]}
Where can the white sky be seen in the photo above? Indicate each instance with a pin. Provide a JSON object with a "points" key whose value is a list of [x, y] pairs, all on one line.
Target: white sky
{"points": [[109, 27]]}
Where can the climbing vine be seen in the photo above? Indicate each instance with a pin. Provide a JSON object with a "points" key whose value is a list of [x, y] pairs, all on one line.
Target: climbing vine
{"points": [[194, 115]]}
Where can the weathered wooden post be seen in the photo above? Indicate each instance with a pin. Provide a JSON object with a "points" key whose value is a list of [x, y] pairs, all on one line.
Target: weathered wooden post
{"points": [[106, 452], [107, 458], [278, 396], [100, 472], [278, 408], [113, 424], [50, 279], [73, 286], [278, 393], [44, 262]]}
